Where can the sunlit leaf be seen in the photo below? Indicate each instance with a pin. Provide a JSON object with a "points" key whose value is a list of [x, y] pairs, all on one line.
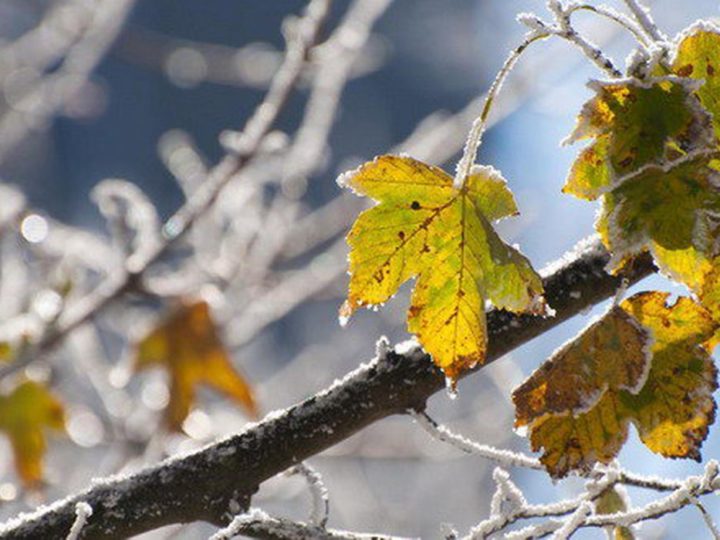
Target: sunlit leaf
{"points": [[698, 57], [671, 407], [24, 415], [188, 346], [423, 227]]}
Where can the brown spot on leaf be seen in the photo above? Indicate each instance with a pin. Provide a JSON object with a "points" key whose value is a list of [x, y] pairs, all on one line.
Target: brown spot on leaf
{"points": [[415, 205], [627, 161], [686, 70]]}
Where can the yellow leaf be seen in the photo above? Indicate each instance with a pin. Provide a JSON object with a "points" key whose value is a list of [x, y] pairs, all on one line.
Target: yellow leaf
{"points": [[187, 344], [24, 412], [635, 125], [423, 227], [698, 57], [700, 274], [671, 407]]}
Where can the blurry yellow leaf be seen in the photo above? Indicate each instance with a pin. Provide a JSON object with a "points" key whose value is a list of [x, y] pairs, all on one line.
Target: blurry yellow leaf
{"points": [[671, 406], [24, 413], [188, 346], [634, 125], [423, 227], [5, 351]]}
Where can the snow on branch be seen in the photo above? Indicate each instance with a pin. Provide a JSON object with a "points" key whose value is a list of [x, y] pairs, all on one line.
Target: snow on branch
{"points": [[508, 504], [642, 14], [506, 458], [320, 500], [540, 30], [259, 524], [201, 485], [257, 128], [581, 515]]}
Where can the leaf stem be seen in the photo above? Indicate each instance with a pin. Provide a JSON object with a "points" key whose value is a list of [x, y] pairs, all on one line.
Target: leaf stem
{"points": [[477, 129]]}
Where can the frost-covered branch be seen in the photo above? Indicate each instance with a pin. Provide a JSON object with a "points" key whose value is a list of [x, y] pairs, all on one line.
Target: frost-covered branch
{"points": [[508, 504], [642, 14], [78, 55], [581, 515], [539, 30], [334, 59], [201, 485], [256, 523], [615, 16], [563, 28], [505, 458], [320, 500]]}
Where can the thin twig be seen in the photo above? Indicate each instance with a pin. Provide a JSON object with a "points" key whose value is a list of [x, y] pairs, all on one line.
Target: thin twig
{"points": [[82, 512], [615, 16], [320, 501], [506, 458], [565, 30], [644, 19], [257, 523], [474, 138], [707, 518]]}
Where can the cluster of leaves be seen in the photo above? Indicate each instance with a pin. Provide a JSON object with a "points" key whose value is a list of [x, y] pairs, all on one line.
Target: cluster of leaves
{"points": [[653, 162], [186, 343]]}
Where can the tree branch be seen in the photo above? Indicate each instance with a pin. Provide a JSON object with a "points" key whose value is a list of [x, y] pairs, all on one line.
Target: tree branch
{"points": [[201, 485]]}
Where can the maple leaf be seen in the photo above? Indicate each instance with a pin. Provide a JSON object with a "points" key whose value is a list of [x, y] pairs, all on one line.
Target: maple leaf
{"points": [[423, 227], [24, 413], [187, 344], [581, 419]]}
